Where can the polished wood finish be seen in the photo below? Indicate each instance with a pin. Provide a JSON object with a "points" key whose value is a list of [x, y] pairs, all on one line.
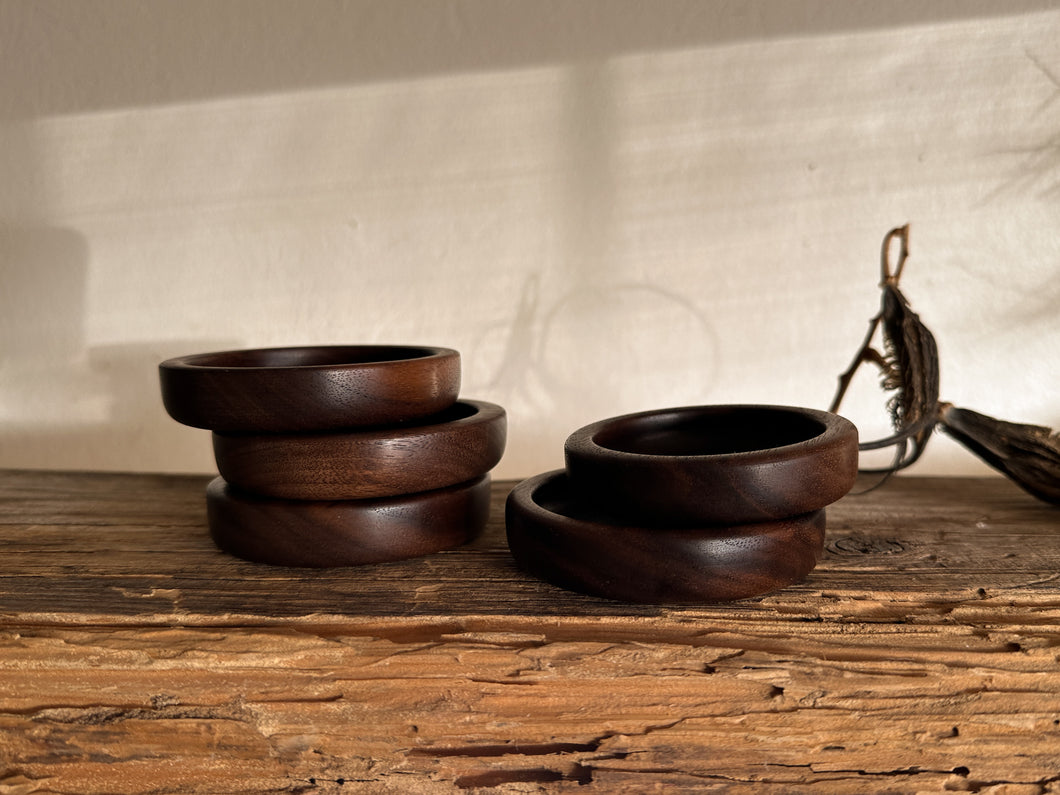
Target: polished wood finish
{"points": [[700, 465], [345, 532], [461, 443], [135, 658], [314, 388], [559, 539]]}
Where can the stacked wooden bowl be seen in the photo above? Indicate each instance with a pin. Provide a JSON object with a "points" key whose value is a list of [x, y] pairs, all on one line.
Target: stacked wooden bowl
{"points": [[339, 455], [696, 504]]}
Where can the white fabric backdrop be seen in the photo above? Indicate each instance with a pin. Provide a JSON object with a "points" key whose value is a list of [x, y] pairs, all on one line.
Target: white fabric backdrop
{"points": [[605, 206]]}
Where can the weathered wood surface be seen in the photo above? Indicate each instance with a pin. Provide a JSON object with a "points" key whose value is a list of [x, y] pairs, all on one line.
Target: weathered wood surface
{"points": [[922, 655]]}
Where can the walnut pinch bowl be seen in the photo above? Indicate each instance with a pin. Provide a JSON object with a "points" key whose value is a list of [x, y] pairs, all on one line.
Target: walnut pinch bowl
{"points": [[459, 444], [313, 388], [326, 534], [562, 540], [713, 465]]}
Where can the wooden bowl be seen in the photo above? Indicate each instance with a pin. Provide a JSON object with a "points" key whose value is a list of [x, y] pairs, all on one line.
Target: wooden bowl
{"points": [[714, 464], [459, 444], [345, 533], [316, 388], [561, 540]]}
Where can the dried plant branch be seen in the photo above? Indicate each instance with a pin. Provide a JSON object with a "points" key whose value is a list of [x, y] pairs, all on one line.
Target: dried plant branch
{"points": [[909, 367]]}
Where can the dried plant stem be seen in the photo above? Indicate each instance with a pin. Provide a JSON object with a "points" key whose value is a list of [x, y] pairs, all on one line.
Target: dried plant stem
{"points": [[909, 366]]}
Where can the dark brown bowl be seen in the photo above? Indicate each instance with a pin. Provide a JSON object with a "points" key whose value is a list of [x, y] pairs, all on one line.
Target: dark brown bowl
{"points": [[316, 388], [345, 533], [459, 444], [714, 464], [563, 541]]}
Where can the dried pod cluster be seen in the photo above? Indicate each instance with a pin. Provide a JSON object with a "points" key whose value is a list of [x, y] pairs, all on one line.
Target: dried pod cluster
{"points": [[909, 367]]}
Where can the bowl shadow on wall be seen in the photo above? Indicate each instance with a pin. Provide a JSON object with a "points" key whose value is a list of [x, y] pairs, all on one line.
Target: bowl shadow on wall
{"points": [[62, 401]]}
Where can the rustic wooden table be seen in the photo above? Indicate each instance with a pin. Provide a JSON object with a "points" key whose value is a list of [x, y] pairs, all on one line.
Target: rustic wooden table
{"points": [[920, 656]]}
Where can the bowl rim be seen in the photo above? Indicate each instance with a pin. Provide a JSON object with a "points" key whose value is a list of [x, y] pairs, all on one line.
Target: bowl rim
{"points": [[482, 412], [275, 390], [744, 486], [368, 463], [524, 495], [835, 430], [202, 361], [707, 545]]}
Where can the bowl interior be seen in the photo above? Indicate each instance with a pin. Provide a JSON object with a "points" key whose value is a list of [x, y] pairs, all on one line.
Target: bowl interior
{"points": [[551, 494], [700, 432], [322, 356]]}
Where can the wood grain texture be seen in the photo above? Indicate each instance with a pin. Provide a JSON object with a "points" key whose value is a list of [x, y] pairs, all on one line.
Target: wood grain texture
{"points": [[554, 536], [919, 656], [312, 388], [720, 464], [324, 534], [459, 444]]}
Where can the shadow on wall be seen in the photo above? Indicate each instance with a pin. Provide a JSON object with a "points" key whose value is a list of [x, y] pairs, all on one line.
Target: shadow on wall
{"points": [[537, 370], [1037, 174], [60, 401], [95, 54], [98, 407]]}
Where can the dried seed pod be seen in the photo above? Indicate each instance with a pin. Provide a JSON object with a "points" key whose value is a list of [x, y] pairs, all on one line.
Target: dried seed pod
{"points": [[909, 365], [1028, 454]]}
